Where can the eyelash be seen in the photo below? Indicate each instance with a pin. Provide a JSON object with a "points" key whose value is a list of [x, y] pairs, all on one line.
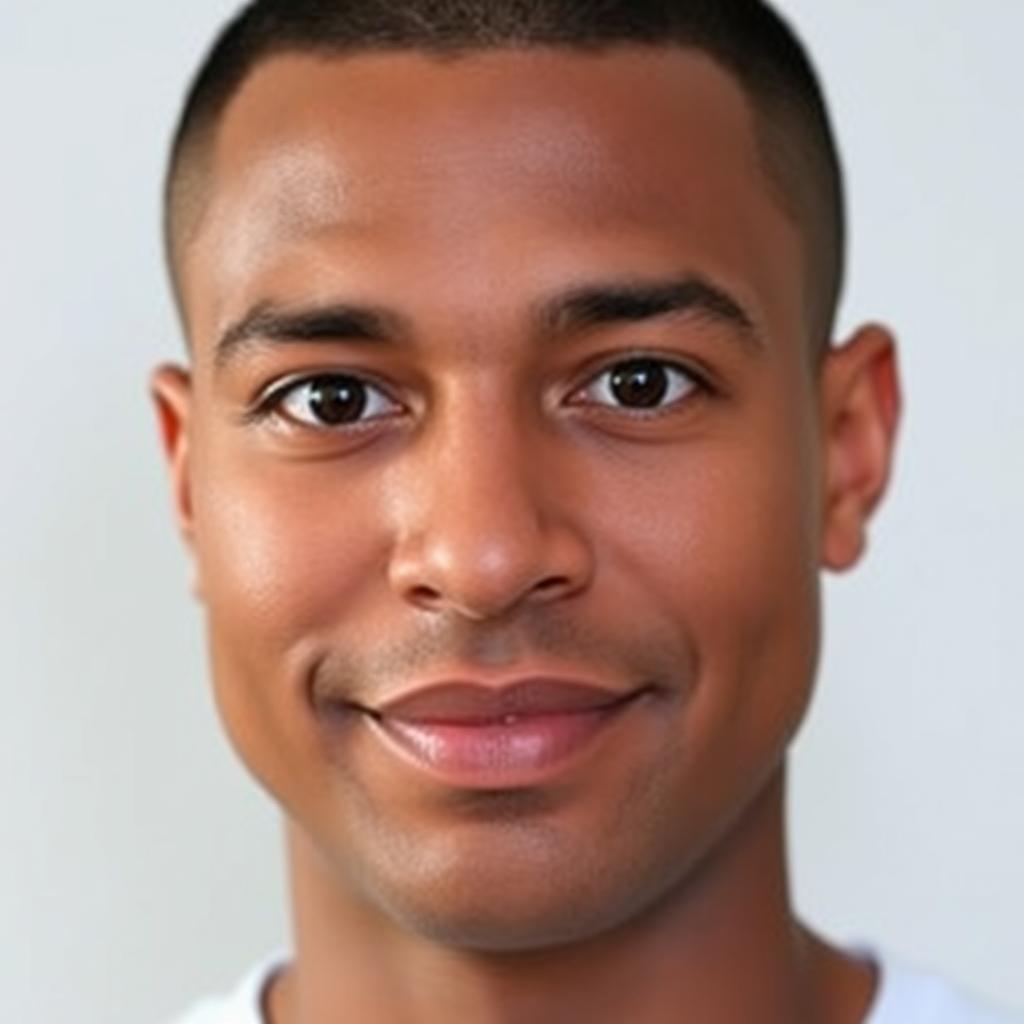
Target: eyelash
{"points": [[269, 405], [696, 384]]}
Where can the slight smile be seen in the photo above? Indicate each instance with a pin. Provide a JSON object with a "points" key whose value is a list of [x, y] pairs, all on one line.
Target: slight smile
{"points": [[523, 733]]}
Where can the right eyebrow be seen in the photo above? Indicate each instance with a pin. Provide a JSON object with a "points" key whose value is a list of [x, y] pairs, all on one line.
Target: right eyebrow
{"points": [[267, 324]]}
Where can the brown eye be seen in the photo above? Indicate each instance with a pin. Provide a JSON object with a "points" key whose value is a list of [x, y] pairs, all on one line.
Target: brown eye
{"points": [[641, 384], [333, 400]]}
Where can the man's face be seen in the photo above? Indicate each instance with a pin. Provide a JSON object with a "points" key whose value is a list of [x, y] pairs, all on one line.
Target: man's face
{"points": [[537, 451]]}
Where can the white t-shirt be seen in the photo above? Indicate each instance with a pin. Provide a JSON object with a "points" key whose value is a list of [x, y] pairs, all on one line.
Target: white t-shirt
{"points": [[905, 996]]}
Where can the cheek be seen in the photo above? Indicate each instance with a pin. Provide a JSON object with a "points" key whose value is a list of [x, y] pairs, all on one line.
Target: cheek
{"points": [[759, 624], [721, 534], [724, 545], [284, 549], [286, 555]]}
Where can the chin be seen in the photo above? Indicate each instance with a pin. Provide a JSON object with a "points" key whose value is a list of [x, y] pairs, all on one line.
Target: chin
{"points": [[531, 894], [501, 928]]}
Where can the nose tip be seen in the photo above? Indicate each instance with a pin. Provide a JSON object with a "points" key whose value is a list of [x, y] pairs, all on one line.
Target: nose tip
{"points": [[484, 513], [484, 569], [482, 591]]}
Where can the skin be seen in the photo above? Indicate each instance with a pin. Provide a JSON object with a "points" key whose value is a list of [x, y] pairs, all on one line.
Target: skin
{"points": [[504, 515]]}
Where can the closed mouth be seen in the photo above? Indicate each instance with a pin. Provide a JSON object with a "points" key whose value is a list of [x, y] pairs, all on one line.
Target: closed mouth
{"points": [[522, 735]]}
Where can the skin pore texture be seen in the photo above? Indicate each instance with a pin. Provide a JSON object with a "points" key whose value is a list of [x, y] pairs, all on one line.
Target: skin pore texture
{"points": [[426, 229]]}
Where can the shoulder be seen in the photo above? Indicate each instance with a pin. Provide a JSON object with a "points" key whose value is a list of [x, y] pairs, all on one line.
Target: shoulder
{"points": [[907, 995], [241, 1006]]}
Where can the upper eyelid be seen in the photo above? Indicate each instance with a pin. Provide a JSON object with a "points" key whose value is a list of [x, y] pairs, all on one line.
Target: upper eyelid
{"points": [[701, 377], [272, 394], [672, 364]]}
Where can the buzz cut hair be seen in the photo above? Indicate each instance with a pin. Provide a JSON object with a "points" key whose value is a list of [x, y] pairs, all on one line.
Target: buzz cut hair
{"points": [[746, 38]]}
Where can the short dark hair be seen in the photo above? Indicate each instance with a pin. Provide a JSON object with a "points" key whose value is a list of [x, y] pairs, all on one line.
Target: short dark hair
{"points": [[745, 37]]}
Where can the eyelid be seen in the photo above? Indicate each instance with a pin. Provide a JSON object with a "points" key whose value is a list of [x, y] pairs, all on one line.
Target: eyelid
{"points": [[269, 401], [700, 379]]}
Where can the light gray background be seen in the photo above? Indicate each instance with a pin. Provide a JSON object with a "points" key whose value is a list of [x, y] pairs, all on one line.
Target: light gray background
{"points": [[140, 867]]}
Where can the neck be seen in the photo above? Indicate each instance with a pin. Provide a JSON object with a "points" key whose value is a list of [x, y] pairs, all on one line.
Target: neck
{"points": [[724, 947]]}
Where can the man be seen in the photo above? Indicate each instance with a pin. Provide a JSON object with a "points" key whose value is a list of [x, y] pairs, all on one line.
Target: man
{"points": [[511, 447]]}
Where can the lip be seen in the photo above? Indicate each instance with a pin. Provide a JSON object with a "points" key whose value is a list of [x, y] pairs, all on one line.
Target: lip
{"points": [[471, 703], [520, 734]]}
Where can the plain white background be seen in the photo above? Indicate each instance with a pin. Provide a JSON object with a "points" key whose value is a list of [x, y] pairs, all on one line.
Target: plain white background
{"points": [[139, 867]]}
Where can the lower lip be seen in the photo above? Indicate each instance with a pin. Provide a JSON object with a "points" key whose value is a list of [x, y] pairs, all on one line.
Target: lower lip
{"points": [[514, 753]]}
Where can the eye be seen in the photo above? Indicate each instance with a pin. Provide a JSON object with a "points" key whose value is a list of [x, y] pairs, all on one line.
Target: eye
{"points": [[329, 400], [643, 384]]}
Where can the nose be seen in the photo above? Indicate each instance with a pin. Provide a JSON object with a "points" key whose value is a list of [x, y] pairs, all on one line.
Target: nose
{"points": [[486, 526]]}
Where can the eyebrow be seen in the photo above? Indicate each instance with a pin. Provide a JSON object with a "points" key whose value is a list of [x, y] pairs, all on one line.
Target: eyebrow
{"points": [[267, 323], [632, 301], [572, 311]]}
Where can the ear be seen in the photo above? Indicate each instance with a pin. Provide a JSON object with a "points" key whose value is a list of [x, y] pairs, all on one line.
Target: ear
{"points": [[171, 390], [860, 413]]}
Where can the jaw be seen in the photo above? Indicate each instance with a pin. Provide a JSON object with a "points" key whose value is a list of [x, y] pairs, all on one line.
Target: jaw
{"points": [[730, 909]]}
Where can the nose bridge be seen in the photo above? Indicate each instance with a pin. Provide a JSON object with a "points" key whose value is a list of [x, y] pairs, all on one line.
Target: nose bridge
{"points": [[484, 473], [487, 531]]}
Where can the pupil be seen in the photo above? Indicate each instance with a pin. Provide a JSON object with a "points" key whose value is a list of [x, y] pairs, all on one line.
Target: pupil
{"points": [[336, 400], [641, 384]]}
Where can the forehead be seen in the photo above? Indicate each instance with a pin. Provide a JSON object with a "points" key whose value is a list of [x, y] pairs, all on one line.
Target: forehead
{"points": [[388, 163]]}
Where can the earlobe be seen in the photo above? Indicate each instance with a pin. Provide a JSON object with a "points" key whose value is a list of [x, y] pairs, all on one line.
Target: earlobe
{"points": [[860, 413], [171, 390]]}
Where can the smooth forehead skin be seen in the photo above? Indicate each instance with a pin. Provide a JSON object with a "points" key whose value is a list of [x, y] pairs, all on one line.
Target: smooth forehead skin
{"points": [[326, 171]]}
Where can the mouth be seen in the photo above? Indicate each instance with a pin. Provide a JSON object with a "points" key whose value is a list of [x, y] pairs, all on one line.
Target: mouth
{"points": [[483, 737]]}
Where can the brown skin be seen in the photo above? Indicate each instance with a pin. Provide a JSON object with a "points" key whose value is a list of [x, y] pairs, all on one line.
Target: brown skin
{"points": [[502, 511]]}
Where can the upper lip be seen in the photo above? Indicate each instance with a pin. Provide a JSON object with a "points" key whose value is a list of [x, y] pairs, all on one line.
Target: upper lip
{"points": [[468, 703]]}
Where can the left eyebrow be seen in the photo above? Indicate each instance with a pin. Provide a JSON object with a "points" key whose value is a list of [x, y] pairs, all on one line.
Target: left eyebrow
{"points": [[632, 301]]}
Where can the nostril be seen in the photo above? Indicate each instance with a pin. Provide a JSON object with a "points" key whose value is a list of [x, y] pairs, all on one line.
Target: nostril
{"points": [[424, 595], [551, 583]]}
